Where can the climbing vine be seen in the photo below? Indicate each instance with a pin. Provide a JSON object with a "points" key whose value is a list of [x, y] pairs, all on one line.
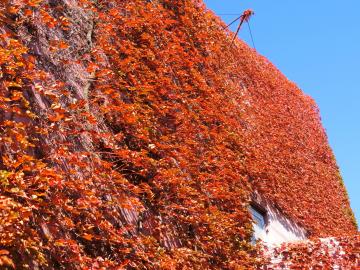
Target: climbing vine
{"points": [[133, 135], [330, 253]]}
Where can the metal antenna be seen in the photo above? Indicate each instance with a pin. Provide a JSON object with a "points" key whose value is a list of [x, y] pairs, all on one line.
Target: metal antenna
{"points": [[245, 17], [234, 21], [251, 35]]}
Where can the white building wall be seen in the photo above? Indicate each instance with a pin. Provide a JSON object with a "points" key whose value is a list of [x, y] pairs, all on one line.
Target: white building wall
{"points": [[278, 228]]}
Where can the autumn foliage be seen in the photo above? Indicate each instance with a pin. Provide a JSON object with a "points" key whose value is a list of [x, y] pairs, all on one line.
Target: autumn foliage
{"points": [[133, 134], [328, 253]]}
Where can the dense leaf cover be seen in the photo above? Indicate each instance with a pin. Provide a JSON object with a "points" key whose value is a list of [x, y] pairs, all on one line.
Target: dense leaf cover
{"points": [[133, 134], [328, 253]]}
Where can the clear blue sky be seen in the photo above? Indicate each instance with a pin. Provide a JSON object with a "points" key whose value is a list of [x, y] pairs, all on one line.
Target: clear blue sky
{"points": [[316, 44]]}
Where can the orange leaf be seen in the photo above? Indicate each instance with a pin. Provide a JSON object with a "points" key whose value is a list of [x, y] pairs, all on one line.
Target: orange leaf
{"points": [[56, 118], [87, 236], [4, 252]]}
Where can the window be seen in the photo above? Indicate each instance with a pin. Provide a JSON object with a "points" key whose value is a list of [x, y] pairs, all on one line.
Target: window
{"points": [[270, 225], [259, 218]]}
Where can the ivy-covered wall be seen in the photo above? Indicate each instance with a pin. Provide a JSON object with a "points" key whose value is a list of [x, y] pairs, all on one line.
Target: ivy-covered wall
{"points": [[133, 134], [326, 253]]}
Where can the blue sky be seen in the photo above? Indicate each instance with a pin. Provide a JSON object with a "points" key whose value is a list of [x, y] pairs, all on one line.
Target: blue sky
{"points": [[316, 44]]}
